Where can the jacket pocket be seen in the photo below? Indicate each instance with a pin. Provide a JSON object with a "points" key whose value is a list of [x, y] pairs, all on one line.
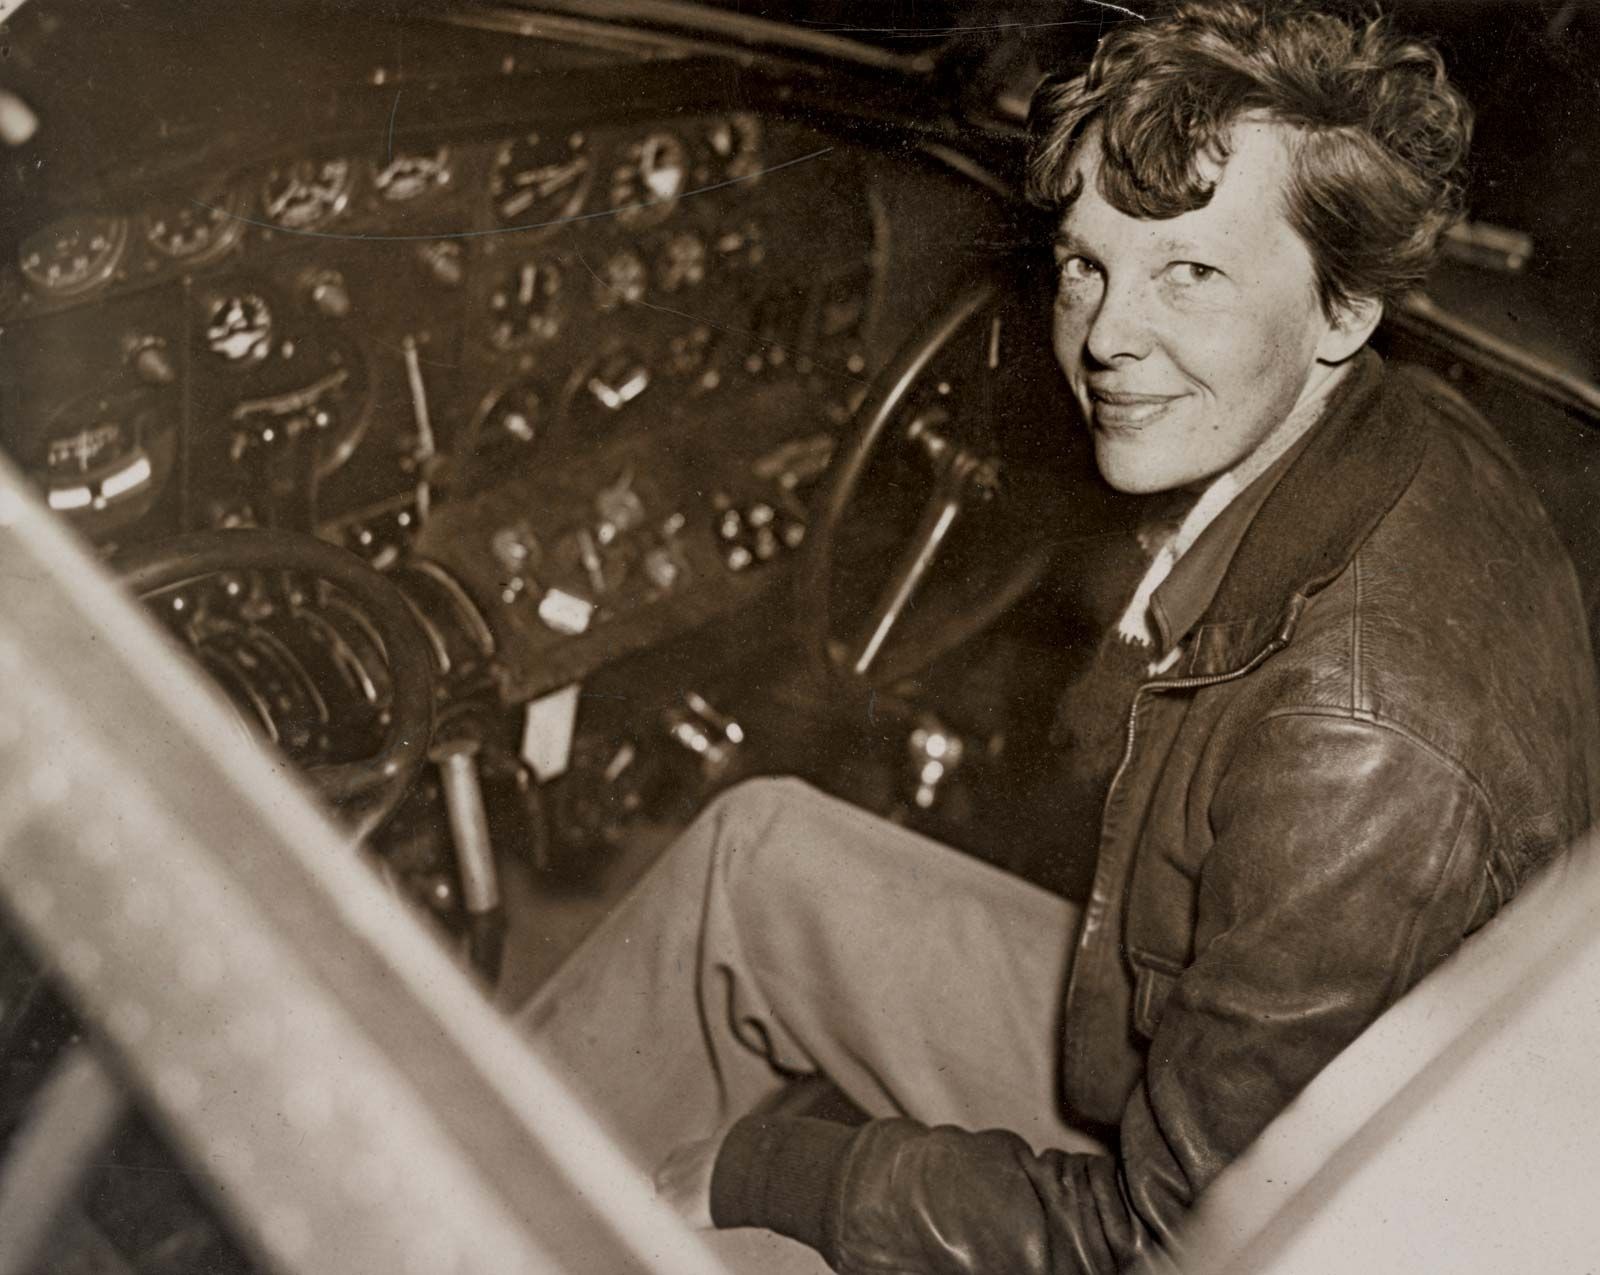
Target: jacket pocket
{"points": [[1154, 977]]}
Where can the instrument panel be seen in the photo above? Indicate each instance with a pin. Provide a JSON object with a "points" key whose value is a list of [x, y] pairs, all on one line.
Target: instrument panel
{"points": [[590, 368]]}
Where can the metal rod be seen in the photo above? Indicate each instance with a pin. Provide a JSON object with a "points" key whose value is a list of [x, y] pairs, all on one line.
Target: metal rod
{"points": [[469, 825], [70, 1120], [900, 595]]}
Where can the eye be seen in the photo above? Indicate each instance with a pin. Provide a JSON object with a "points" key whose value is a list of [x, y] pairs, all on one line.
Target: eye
{"points": [[1191, 272], [1076, 268]]}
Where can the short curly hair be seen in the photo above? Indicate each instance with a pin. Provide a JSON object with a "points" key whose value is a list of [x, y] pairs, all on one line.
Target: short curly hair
{"points": [[1382, 135]]}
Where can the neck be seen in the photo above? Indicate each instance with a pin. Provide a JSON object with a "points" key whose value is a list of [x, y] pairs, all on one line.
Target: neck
{"points": [[1306, 412]]}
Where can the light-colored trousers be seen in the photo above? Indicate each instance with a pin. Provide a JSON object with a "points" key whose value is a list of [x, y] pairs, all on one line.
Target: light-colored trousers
{"points": [[787, 932]]}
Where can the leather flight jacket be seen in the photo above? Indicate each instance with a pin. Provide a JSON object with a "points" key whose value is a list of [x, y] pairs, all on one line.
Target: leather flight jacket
{"points": [[1384, 723]]}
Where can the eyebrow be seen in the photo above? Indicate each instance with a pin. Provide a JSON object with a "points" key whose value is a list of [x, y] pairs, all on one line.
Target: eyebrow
{"points": [[1065, 239], [1069, 242]]}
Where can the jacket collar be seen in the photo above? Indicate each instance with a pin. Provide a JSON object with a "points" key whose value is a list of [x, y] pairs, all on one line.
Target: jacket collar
{"points": [[1180, 601], [1354, 467]]}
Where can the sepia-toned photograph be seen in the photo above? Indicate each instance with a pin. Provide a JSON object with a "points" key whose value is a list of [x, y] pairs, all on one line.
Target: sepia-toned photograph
{"points": [[763, 637]]}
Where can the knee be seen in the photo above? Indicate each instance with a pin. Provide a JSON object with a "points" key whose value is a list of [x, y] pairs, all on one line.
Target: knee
{"points": [[784, 856], [757, 821], [761, 800]]}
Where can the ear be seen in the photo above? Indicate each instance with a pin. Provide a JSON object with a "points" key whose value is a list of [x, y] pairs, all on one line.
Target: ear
{"points": [[1349, 329]]}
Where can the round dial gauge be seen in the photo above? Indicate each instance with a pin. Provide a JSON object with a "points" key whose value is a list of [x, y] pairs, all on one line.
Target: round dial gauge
{"points": [[106, 457], [735, 142], [307, 193], [540, 179], [412, 175], [527, 304], [195, 230], [73, 255], [682, 262], [510, 419], [645, 187], [621, 280], [239, 329]]}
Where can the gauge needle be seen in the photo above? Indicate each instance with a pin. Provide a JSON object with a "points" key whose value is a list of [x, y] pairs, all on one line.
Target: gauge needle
{"points": [[426, 447], [553, 179], [517, 204], [545, 180]]}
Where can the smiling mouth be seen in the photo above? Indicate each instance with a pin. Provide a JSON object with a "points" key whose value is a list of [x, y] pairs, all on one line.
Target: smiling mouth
{"points": [[1119, 410]]}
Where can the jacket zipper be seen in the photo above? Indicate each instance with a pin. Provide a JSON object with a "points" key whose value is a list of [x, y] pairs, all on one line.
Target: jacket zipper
{"points": [[1171, 684], [1182, 684]]}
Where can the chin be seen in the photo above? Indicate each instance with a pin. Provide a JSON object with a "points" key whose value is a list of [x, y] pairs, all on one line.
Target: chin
{"points": [[1135, 474]]}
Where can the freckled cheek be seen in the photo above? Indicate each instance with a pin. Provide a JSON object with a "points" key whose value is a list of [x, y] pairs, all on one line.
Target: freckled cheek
{"points": [[1207, 357], [1273, 336], [1069, 329], [1222, 347]]}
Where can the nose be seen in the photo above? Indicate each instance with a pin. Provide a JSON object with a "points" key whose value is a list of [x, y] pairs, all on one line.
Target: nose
{"points": [[1120, 326]]}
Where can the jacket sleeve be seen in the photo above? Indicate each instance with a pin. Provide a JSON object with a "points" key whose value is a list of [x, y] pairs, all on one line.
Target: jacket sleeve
{"points": [[1348, 859]]}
